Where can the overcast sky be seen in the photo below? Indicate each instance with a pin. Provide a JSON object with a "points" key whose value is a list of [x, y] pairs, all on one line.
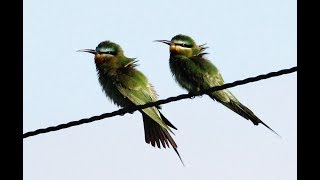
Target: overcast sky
{"points": [[246, 38]]}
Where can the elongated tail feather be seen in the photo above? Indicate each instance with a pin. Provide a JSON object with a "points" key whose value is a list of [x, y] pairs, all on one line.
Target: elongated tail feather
{"points": [[173, 144], [245, 112], [155, 135], [167, 121]]}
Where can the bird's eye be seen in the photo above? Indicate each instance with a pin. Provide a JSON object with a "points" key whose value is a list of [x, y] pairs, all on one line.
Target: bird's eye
{"points": [[185, 45]]}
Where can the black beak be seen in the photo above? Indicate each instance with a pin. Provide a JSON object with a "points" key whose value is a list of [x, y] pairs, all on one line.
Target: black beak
{"points": [[165, 41], [88, 51]]}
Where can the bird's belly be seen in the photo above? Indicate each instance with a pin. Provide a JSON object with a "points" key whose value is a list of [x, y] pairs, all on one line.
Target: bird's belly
{"points": [[188, 82], [113, 93]]}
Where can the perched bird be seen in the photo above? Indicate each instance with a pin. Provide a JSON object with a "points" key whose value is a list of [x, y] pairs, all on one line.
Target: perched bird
{"points": [[194, 72], [125, 86]]}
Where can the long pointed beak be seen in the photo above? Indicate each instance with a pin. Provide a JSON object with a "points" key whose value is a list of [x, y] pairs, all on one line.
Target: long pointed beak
{"points": [[88, 51], [165, 41]]}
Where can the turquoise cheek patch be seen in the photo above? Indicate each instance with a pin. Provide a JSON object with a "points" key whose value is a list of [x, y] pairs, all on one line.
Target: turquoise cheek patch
{"points": [[101, 49]]}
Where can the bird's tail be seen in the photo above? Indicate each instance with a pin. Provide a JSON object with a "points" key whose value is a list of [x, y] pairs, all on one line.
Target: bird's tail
{"points": [[245, 112], [157, 135]]}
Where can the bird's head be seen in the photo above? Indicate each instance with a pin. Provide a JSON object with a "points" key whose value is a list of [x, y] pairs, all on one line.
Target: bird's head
{"points": [[183, 45], [105, 51]]}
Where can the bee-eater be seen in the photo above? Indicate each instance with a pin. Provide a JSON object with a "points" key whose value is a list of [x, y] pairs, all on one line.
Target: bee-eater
{"points": [[194, 72], [125, 86]]}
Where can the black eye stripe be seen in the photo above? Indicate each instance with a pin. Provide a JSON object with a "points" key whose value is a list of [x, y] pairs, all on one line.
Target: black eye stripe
{"points": [[184, 45], [108, 52]]}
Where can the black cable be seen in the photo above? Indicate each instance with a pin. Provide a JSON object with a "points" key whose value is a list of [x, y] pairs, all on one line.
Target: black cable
{"points": [[159, 102]]}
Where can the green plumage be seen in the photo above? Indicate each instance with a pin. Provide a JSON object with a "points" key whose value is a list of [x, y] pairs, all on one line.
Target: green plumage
{"points": [[126, 87], [194, 72]]}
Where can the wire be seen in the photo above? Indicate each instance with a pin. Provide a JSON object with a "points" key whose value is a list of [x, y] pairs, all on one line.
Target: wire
{"points": [[159, 102]]}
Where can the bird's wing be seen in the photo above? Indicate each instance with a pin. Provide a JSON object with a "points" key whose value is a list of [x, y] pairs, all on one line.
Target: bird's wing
{"points": [[138, 90], [210, 76], [216, 80]]}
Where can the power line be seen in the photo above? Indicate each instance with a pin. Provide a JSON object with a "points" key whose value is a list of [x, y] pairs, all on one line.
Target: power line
{"points": [[159, 102]]}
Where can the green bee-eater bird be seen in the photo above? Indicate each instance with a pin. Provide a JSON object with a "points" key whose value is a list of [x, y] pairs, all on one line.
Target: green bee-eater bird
{"points": [[194, 72], [126, 87]]}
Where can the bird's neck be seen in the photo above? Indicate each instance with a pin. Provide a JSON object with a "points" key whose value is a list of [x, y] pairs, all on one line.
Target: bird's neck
{"points": [[178, 56], [111, 67]]}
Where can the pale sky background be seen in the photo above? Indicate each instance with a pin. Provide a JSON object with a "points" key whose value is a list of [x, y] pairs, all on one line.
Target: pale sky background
{"points": [[246, 38]]}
